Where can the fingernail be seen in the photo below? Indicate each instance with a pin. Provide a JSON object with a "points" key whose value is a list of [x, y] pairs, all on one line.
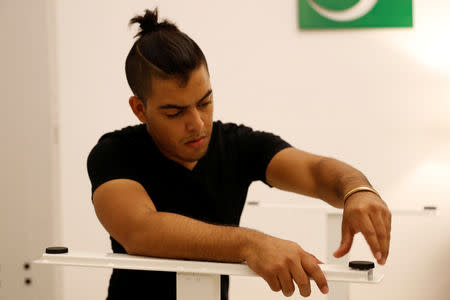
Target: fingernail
{"points": [[325, 290], [378, 255]]}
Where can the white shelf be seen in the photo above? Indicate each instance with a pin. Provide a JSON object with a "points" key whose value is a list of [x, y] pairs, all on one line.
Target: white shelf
{"points": [[424, 211]]}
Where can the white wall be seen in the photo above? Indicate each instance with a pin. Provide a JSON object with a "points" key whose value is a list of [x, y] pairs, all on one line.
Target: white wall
{"points": [[29, 216], [377, 99]]}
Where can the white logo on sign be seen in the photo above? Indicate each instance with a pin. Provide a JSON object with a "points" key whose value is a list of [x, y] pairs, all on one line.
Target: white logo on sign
{"points": [[360, 9]]}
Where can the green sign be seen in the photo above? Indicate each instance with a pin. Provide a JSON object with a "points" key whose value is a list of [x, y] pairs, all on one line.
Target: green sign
{"points": [[355, 13]]}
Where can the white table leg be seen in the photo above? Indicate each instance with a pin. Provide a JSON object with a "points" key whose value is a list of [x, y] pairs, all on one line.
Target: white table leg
{"points": [[195, 286], [338, 290]]}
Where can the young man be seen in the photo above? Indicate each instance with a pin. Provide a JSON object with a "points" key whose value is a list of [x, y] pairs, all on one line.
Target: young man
{"points": [[175, 186]]}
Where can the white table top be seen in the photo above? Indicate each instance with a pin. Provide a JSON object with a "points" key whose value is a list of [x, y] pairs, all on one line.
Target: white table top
{"points": [[339, 273]]}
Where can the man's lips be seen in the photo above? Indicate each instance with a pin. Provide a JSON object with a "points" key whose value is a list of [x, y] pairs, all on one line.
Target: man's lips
{"points": [[196, 142], [195, 139]]}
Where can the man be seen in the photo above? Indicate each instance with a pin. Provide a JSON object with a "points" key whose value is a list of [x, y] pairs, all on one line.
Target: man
{"points": [[175, 186]]}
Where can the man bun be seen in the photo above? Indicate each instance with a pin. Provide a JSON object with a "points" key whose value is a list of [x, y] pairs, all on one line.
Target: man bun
{"points": [[161, 51], [148, 23]]}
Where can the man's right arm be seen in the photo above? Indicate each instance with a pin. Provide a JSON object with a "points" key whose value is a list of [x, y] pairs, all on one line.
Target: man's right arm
{"points": [[126, 211]]}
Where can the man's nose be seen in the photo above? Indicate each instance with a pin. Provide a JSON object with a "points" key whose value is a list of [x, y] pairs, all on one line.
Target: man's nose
{"points": [[195, 122]]}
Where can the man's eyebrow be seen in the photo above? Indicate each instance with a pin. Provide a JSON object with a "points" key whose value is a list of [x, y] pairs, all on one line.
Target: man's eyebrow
{"points": [[169, 106]]}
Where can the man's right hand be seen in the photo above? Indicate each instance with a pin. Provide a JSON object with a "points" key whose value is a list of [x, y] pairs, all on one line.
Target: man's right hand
{"points": [[280, 262]]}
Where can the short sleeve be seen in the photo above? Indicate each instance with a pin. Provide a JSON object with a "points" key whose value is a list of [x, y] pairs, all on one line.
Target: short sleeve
{"points": [[109, 160], [255, 150]]}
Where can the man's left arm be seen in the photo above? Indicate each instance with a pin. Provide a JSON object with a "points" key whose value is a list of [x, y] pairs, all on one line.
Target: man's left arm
{"points": [[329, 179]]}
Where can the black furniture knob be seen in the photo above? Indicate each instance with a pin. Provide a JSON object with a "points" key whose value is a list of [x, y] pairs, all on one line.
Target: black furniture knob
{"points": [[56, 250], [361, 265]]}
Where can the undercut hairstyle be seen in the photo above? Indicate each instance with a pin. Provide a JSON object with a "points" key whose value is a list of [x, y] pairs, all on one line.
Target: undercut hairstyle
{"points": [[161, 51]]}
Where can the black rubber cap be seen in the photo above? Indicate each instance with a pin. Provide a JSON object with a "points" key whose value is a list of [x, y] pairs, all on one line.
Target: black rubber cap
{"points": [[56, 250], [430, 208], [361, 265]]}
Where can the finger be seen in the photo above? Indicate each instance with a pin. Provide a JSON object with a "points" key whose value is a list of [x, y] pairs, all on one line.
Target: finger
{"points": [[301, 279], [317, 260], [287, 286], [346, 242], [388, 218], [380, 228], [273, 283], [369, 233], [315, 272]]}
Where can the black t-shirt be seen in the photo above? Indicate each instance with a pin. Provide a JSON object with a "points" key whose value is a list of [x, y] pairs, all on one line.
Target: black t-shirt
{"points": [[214, 191]]}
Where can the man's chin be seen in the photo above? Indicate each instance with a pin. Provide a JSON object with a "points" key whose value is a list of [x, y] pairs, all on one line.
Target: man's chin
{"points": [[195, 156]]}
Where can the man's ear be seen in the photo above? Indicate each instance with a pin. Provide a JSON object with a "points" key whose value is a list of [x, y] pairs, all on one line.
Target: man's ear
{"points": [[138, 108]]}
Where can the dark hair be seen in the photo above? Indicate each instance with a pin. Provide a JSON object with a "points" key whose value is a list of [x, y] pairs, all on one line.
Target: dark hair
{"points": [[161, 51]]}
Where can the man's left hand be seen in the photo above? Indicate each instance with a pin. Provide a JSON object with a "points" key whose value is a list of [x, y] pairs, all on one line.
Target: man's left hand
{"points": [[367, 213]]}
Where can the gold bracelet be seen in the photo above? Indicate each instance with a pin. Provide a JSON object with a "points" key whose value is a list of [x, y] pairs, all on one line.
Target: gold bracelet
{"points": [[358, 189]]}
